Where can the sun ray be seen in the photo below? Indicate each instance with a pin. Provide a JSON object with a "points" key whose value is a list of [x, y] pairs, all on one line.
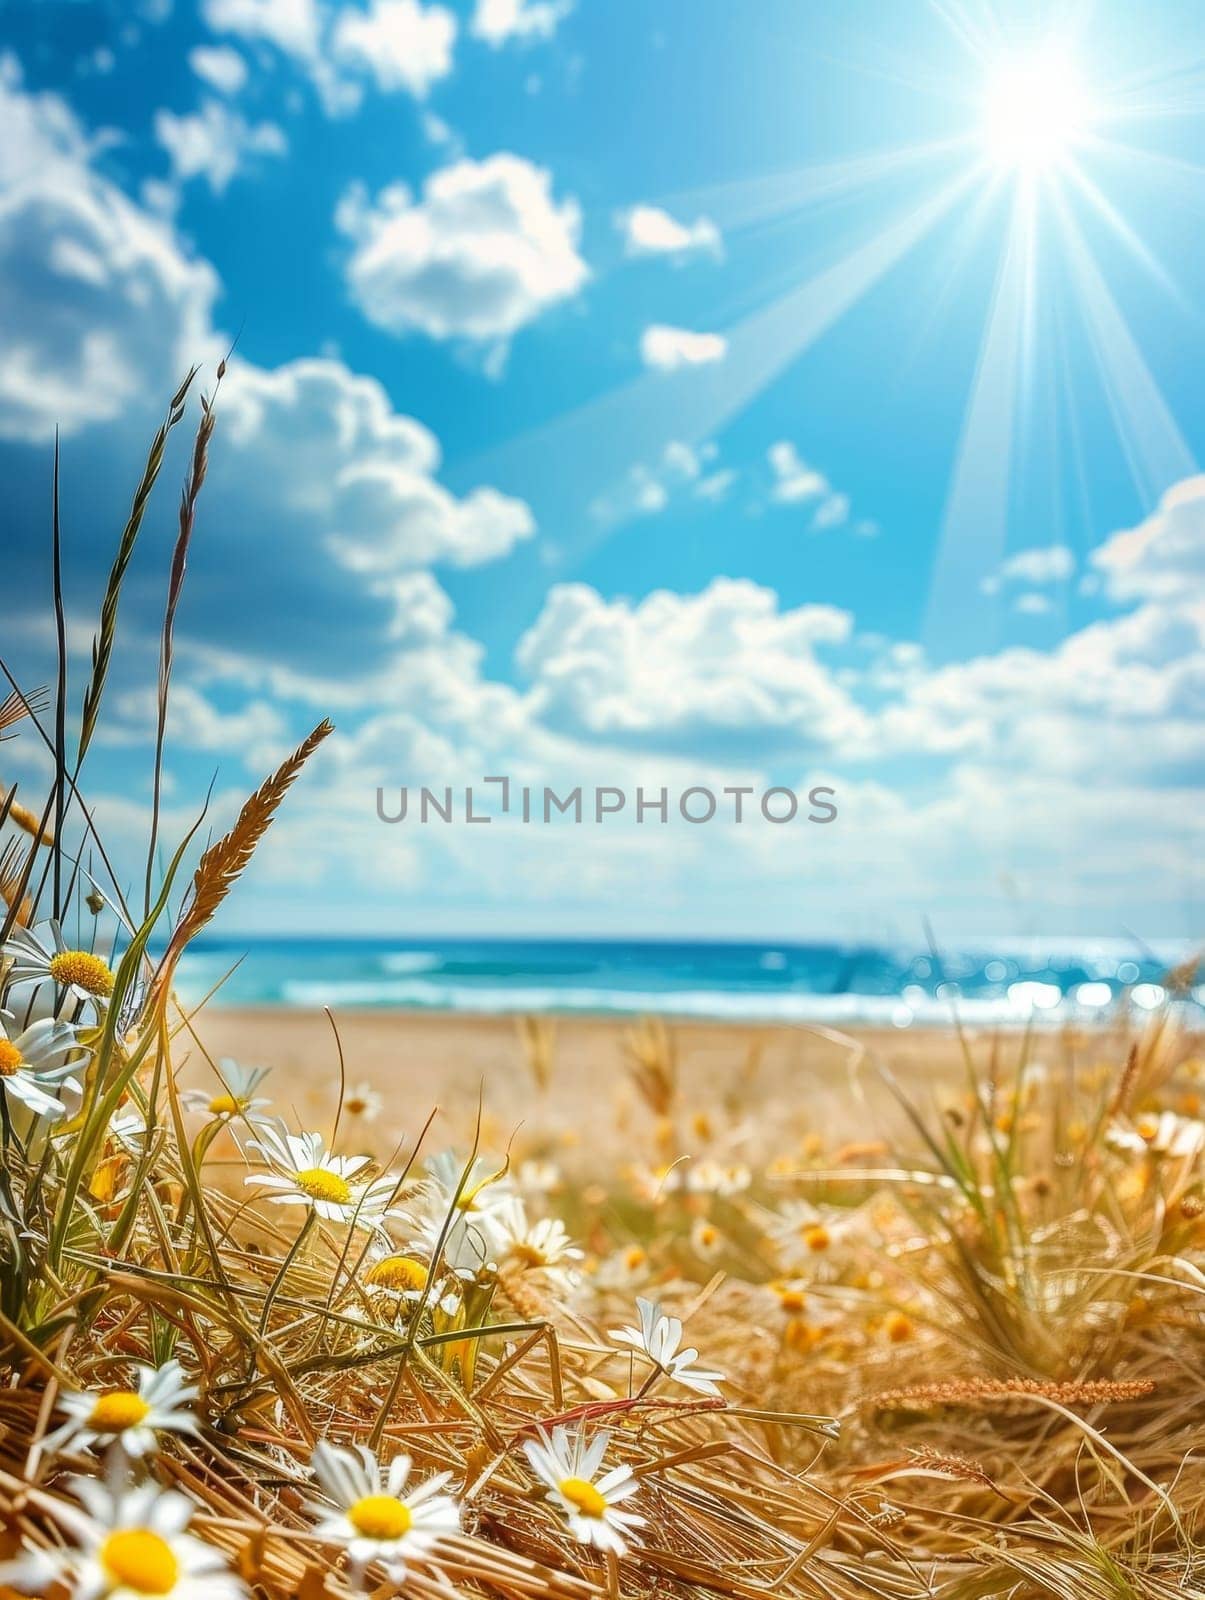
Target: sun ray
{"points": [[746, 202], [1104, 207], [970, 233], [1154, 446], [588, 452], [979, 37], [975, 524]]}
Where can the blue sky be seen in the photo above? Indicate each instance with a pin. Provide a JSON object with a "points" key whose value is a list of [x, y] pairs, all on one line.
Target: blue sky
{"points": [[634, 392]]}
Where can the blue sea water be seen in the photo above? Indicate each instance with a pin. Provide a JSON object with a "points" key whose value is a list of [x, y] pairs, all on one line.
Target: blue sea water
{"points": [[1042, 981]]}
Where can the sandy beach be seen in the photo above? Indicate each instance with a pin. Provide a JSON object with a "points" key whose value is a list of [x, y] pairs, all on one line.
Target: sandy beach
{"points": [[787, 1083]]}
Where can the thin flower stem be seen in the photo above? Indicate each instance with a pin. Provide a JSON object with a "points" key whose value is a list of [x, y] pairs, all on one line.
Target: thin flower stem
{"points": [[283, 1269]]}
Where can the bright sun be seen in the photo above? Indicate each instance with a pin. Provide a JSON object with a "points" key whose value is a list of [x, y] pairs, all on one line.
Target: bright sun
{"points": [[1036, 110]]}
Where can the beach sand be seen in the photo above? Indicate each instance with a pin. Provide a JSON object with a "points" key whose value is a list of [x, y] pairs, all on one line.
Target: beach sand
{"points": [[783, 1083]]}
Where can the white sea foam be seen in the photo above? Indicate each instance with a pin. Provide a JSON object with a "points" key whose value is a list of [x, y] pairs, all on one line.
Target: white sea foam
{"points": [[407, 961], [1021, 1005]]}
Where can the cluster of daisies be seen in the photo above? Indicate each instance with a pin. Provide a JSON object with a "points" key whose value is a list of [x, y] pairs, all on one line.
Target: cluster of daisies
{"points": [[128, 1538], [436, 1244]]}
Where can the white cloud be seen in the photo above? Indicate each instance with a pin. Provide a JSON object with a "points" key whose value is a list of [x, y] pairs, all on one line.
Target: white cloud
{"points": [[37, 131], [337, 458], [256, 730], [400, 43], [1046, 564], [646, 490], [1122, 699], [215, 143], [1042, 565], [667, 349], [293, 26], [100, 305], [220, 66], [481, 255], [716, 485], [794, 481], [649, 231], [498, 21], [833, 512], [725, 663], [1163, 557]]}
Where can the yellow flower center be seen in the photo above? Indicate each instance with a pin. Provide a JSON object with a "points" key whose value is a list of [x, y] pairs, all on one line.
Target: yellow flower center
{"points": [[225, 1105], [320, 1183], [355, 1105], [380, 1516], [634, 1257], [10, 1059], [817, 1238], [116, 1410], [584, 1496], [136, 1558], [793, 1301], [83, 969], [402, 1273]]}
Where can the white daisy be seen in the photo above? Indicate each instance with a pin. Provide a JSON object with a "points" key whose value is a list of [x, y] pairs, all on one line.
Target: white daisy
{"points": [[460, 1209], [236, 1097], [32, 1069], [809, 1239], [363, 1102], [484, 1187], [625, 1269], [1159, 1133], [543, 1243], [709, 1176], [130, 1544], [303, 1173], [373, 1518], [658, 1338], [568, 1463], [41, 955], [397, 1280], [467, 1242], [652, 1185], [539, 1177], [706, 1240], [129, 1417]]}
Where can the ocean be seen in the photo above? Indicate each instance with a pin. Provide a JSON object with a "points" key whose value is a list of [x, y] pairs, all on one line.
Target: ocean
{"points": [[1044, 981]]}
